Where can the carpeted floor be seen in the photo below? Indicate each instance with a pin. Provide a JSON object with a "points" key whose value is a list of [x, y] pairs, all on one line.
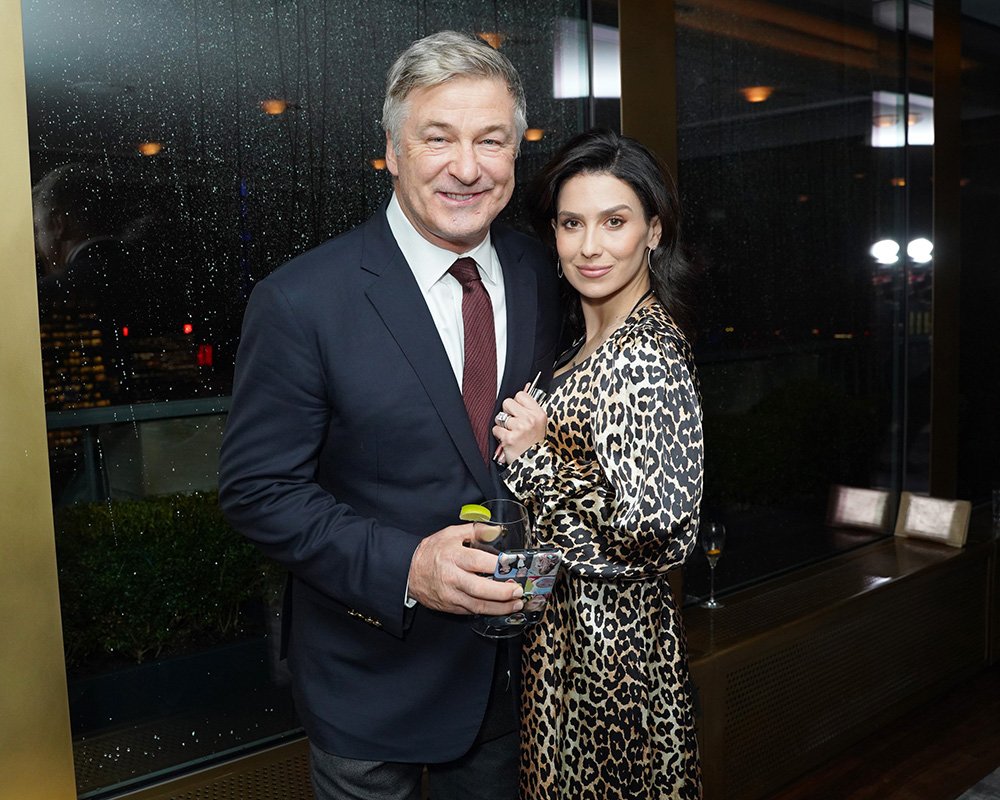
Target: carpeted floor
{"points": [[987, 789]]}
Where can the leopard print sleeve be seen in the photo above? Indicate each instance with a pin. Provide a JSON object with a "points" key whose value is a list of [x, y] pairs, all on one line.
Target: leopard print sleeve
{"points": [[547, 475], [648, 442], [617, 482]]}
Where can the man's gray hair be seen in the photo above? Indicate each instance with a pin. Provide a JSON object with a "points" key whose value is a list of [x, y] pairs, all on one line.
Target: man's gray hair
{"points": [[438, 58]]}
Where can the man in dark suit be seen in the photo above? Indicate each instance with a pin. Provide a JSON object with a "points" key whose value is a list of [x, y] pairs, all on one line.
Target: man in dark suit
{"points": [[358, 431]]}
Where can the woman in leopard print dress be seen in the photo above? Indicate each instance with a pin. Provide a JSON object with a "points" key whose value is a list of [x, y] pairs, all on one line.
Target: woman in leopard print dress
{"points": [[613, 475]]}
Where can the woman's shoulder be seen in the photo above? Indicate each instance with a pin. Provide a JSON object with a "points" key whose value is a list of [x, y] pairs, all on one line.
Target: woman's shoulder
{"points": [[652, 330]]}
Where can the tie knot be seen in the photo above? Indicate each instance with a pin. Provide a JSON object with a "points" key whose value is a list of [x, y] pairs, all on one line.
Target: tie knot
{"points": [[465, 271]]}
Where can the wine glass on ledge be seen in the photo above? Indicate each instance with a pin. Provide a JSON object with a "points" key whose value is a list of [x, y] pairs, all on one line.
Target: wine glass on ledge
{"points": [[712, 537]]}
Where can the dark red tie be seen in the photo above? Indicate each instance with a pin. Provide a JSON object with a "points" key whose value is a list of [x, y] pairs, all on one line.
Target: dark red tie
{"points": [[479, 375]]}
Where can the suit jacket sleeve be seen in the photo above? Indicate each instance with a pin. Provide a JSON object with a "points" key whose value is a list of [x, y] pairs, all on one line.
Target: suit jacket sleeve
{"points": [[268, 466]]}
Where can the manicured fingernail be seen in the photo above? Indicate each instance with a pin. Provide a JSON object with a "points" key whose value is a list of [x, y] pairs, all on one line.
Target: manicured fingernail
{"points": [[518, 592]]}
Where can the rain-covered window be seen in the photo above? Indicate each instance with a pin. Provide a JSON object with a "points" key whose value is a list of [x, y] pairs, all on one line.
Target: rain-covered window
{"points": [[181, 151]]}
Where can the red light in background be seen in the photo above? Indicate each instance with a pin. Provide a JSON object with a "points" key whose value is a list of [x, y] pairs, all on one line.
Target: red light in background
{"points": [[204, 355], [125, 330], [187, 328]]}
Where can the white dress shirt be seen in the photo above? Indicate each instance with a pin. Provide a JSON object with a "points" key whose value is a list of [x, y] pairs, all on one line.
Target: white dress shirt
{"points": [[443, 293]]}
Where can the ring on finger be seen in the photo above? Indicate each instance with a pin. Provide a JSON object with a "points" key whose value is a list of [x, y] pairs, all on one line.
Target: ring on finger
{"points": [[501, 419]]}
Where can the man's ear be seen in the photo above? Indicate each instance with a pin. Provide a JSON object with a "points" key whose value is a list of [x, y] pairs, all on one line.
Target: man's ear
{"points": [[390, 155], [58, 224]]}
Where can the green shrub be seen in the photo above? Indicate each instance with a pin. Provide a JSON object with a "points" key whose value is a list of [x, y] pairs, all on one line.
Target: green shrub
{"points": [[146, 578]]}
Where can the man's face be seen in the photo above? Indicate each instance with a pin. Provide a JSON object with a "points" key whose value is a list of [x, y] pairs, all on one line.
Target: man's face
{"points": [[455, 167]]}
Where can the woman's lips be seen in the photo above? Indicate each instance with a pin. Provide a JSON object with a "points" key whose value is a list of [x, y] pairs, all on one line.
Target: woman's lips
{"points": [[593, 271]]}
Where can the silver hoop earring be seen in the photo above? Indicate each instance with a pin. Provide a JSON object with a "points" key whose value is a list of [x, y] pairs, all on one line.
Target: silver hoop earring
{"points": [[649, 258], [559, 269]]}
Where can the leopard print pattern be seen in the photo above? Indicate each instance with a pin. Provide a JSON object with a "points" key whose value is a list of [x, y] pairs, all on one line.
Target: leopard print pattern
{"points": [[607, 708]]}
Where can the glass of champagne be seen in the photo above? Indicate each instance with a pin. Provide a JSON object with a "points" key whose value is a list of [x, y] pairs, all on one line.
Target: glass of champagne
{"points": [[712, 536], [505, 530]]}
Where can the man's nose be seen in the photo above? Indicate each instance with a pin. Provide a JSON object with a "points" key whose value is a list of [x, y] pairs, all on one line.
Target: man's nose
{"points": [[465, 164]]}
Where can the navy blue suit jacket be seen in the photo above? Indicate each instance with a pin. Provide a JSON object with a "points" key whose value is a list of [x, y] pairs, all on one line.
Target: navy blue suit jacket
{"points": [[347, 442]]}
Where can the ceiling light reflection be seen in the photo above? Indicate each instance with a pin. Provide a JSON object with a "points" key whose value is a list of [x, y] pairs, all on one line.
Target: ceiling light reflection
{"points": [[885, 251], [491, 38], [274, 106], [756, 94]]}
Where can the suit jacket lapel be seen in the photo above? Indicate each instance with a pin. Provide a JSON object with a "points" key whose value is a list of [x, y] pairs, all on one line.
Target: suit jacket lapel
{"points": [[396, 297]]}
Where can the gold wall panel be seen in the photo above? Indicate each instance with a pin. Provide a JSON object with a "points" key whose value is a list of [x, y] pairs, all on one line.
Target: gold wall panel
{"points": [[35, 747]]}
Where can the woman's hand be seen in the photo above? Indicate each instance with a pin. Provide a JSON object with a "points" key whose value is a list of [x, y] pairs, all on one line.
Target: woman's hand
{"points": [[520, 425]]}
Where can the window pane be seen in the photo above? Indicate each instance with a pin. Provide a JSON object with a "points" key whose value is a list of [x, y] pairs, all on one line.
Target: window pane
{"points": [[181, 151], [795, 160], [979, 425]]}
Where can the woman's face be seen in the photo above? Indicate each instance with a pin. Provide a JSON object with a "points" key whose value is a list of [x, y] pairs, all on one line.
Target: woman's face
{"points": [[602, 235]]}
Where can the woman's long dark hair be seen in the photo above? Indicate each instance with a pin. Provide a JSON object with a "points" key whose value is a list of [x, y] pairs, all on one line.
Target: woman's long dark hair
{"points": [[604, 152]]}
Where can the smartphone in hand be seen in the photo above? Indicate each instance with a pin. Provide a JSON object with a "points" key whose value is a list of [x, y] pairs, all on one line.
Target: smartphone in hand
{"points": [[536, 571]]}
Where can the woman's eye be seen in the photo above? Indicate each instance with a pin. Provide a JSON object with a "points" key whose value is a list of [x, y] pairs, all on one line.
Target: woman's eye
{"points": [[616, 222]]}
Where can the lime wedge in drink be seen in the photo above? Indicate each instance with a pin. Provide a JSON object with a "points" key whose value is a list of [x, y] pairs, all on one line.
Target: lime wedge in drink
{"points": [[471, 512]]}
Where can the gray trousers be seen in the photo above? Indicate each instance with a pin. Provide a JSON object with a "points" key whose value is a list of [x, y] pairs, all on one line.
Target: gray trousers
{"points": [[487, 772]]}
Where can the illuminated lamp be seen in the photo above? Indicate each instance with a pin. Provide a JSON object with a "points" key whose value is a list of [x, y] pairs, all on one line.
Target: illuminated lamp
{"points": [[899, 183], [274, 106], [920, 250], [494, 40], [187, 328], [756, 94], [149, 148], [534, 134], [377, 163], [885, 251], [884, 120]]}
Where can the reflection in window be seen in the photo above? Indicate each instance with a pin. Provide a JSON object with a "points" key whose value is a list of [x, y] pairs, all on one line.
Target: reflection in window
{"points": [[179, 154], [811, 338]]}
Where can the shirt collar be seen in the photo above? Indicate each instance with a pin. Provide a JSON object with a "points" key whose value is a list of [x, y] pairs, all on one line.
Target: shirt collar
{"points": [[428, 262]]}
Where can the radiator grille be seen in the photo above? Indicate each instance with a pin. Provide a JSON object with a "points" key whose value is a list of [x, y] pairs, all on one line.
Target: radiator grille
{"points": [[287, 779], [784, 706]]}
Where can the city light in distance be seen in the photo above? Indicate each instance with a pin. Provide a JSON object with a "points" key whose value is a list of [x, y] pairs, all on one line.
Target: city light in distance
{"points": [[187, 328]]}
